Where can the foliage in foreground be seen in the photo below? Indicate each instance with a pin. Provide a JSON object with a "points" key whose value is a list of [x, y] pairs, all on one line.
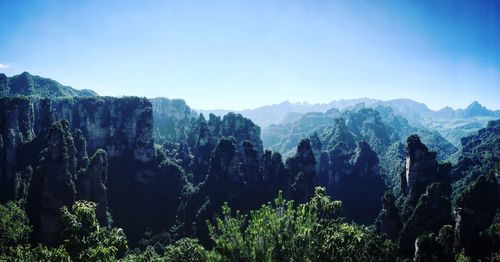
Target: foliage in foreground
{"points": [[283, 232], [83, 238], [278, 231]]}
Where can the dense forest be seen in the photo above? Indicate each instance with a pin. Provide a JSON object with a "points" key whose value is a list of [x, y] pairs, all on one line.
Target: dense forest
{"points": [[91, 178]]}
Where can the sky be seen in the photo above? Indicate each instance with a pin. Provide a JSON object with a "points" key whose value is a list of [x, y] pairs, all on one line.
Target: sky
{"points": [[244, 54]]}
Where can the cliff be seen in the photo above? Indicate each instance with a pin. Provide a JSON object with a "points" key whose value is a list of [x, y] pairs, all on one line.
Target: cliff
{"points": [[173, 118], [44, 146]]}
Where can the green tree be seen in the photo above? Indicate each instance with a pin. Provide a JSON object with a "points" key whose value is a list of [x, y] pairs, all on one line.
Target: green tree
{"points": [[282, 231], [186, 250], [85, 239], [26, 253], [14, 226], [149, 255]]}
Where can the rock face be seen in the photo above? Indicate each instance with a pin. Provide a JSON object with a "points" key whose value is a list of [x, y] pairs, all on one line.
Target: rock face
{"points": [[53, 183], [224, 165], [388, 222], [237, 126], [16, 128], [91, 184], [422, 169], [120, 126], [427, 188], [173, 118], [116, 131], [353, 177], [205, 135], [302, 169]]}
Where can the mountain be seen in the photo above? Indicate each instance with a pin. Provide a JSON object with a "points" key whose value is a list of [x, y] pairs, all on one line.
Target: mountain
{"points": [[105, 178], [450, 123], [455, 124], [30, 85], [277, 113], [413, 111], [419, 112], [379, 126], [477, 110]]}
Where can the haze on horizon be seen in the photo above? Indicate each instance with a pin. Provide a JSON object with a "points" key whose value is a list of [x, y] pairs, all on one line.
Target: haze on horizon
{"points": [[244, 54]]}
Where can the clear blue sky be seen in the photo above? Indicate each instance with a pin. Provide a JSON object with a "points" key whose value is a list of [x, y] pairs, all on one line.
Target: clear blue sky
{"points": [[243, 54]]}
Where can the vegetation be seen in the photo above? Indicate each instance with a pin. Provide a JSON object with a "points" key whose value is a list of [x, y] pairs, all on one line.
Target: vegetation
{"points": [[26, 84], [281, 231], [284, 232]]}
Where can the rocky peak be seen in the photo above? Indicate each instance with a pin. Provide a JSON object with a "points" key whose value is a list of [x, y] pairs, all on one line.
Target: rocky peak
{"points": [[305, 155], [338, 133], [91, 184], [249, 167], [272, 167], [476, 109], [421, 167], [81, 148], [446, 112], [354, 179], [241, 129], [224, 163], [302, 168], [365, 161], [214, 125]]}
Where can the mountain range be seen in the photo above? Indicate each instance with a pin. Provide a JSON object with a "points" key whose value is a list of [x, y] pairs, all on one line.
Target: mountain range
{"points": [[410, 109], [92, 178]]}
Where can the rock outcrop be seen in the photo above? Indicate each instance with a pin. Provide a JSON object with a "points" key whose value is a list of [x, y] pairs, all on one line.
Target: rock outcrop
{"points": [[204, 136], [53, 184], [52, 138], [353, 177], [426, 185], [388, 221], [121, 126], [422, 169], [91, 184], [302, 169], [172, 119]]}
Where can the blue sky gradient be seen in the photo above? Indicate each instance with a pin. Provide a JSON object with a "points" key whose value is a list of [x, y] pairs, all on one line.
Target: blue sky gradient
{"points": [[243, 54]]}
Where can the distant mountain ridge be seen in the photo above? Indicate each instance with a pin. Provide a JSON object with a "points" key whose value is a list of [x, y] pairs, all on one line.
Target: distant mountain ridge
{"points": [[277, 113], [419, 111], [26, 84], [412, 110]]}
